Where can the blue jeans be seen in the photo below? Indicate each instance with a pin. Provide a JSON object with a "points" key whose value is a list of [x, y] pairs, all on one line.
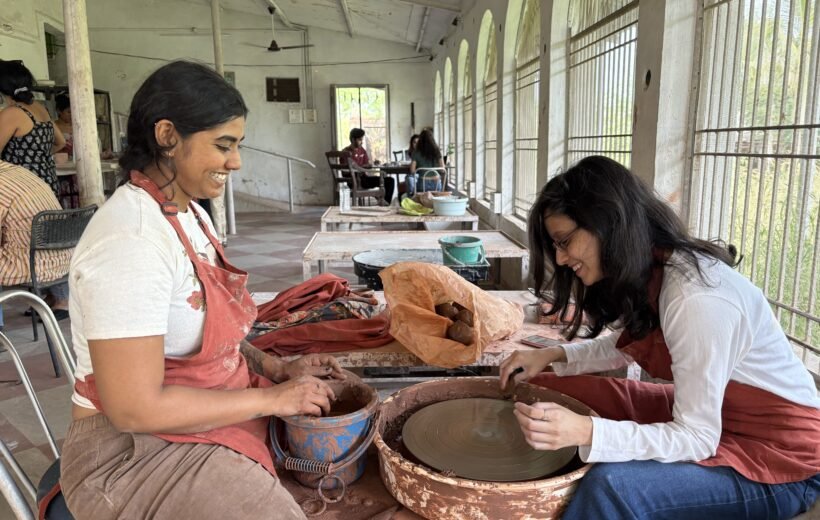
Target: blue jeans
{"points": [[682, 490]]}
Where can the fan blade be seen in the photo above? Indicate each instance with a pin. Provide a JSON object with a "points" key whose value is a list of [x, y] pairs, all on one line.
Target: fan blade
{"points": [[295, 46], [254, 45]]}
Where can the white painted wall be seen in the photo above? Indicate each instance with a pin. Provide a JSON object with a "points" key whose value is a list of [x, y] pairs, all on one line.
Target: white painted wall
{"points": [[22, 35], [113, 24]]}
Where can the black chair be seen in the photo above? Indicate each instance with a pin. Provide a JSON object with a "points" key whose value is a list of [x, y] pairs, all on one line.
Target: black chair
{"points": [[46, 494], [54, 230]]}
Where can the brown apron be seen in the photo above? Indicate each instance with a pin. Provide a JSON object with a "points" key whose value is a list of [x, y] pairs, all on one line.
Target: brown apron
{"points": [[765, 437], [218, 365]]}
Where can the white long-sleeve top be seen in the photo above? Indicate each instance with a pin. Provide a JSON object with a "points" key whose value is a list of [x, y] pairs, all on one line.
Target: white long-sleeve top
{"points": [[718, 330]]}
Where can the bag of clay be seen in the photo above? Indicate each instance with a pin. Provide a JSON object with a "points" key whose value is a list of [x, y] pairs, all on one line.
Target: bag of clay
{"points": [[414, 289]]}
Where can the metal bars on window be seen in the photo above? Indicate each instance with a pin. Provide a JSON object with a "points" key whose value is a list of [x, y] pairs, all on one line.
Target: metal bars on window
{"points": [[450, 151], [527, 78], [468, 174], [602, 87], [490, 139], [756, 152]]}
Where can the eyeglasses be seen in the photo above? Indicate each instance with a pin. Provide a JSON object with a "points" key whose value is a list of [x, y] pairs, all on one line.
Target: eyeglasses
{"points": [[562, 245]]}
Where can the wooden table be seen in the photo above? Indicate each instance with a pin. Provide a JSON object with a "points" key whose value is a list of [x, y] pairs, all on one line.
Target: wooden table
{"points": [[333, 218], [337, 246]]}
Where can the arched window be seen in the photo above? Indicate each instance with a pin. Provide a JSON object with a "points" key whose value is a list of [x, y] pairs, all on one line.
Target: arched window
{"points": [[465, 135], [438, 115], [527, 78], [601, 88], [490, 101]]}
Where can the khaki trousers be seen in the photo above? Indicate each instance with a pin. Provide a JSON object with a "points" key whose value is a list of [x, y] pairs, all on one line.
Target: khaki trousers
{"points": [[109, 474]]}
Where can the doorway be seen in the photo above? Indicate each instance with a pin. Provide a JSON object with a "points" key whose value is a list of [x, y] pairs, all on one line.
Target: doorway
{"points": [[366, 107]]}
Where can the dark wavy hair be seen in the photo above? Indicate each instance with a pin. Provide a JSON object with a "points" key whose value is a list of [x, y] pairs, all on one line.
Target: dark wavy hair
{"points": [[427, 146], [62, 102], [190, 95], [631, 223], [13, 76]]}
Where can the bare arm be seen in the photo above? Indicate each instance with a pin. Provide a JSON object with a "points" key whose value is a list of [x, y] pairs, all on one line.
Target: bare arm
{"points": [[261, 363], [412, 167], [8, 126], [59, 139], [129, 373]]}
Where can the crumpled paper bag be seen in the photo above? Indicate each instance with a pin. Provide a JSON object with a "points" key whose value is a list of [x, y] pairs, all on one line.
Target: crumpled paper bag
{"points": [[413, 289]]}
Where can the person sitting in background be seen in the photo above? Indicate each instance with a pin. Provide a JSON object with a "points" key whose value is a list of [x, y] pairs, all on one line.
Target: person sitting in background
{"points": [[414, 143], [22, 196], [63, 122], [360, 157], [427, 155], [27, 135]]}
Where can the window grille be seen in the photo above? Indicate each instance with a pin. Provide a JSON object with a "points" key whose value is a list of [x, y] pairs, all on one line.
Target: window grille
{"points": [[527, 78], [755, 169], [467, 137], [490, 116], [601, 86], [450, 149]]}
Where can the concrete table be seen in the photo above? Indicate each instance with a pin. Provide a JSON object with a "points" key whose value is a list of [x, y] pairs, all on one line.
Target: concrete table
{"points": [[333, 218], [339, 246]]}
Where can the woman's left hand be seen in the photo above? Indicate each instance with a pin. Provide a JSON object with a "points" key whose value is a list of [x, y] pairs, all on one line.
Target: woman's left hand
{"points": [[550, 426], [317, 365]]}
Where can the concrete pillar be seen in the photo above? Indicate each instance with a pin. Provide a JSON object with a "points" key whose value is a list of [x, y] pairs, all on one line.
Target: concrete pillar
{"points": [[84, 115], [218, 205]]}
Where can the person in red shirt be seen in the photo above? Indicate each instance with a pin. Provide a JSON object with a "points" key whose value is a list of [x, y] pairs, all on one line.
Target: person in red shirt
{"points": [[360, 157]]}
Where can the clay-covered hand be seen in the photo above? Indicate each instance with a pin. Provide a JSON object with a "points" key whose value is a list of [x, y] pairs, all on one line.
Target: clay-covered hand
{"points": [[550, 426], [303, 395], [531, 362], [318, 365]]}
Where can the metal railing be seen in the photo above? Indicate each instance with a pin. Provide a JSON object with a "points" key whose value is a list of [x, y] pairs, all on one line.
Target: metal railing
{"points": [[527, 79], [290, 159]]}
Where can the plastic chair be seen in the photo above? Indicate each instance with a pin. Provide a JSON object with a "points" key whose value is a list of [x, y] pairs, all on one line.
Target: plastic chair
{"points": [[54, 230], [53, 505]]}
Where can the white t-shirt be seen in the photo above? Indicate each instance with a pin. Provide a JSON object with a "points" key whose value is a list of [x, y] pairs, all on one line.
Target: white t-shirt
{"points": [[131, 277], [716, 331]]}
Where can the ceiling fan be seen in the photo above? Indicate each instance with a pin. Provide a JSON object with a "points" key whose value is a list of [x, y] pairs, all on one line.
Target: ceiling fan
{"points": [[274, 47]]}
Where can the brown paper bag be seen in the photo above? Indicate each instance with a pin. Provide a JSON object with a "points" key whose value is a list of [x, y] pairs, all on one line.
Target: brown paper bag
{"points": [[413, 289]]}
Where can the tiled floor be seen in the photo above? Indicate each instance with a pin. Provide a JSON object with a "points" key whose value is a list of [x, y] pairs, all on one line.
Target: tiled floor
{"points": [[267, 245]]}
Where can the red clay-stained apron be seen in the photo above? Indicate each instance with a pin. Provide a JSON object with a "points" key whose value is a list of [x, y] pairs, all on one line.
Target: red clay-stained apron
{"points": [[230, 312], [765, 437]]}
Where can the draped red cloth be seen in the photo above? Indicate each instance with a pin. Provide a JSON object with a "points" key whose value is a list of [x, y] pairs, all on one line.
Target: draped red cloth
{"points": [[323, 336]]}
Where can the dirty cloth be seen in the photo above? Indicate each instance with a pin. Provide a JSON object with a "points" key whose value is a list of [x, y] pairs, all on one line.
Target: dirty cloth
{"points": [[320, 315]]}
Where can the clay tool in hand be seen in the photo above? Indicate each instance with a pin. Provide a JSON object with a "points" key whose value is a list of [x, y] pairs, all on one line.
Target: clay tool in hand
{"points": [[509, 389]]}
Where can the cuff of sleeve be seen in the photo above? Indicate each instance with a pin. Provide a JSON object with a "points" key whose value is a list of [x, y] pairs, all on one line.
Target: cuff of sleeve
{"points": [[560, 368], [592, 453], [572, 351]]}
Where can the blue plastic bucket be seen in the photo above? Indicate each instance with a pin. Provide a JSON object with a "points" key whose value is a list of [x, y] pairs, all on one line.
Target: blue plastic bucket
{"points": [[462, 250], [333, 438]]}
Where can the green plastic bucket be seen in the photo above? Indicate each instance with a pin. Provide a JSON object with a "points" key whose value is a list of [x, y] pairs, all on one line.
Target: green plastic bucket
{"points": [[462, 250]]}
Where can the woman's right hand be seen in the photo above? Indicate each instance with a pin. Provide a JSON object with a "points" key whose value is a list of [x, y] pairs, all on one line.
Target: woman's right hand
{"points": [[304, 395], [531, 362]]}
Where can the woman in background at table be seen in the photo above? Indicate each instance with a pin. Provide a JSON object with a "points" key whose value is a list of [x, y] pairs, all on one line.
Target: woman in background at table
{"points": [[63, 106], [172, 405], [427, 155], [414, 143], [28, 138], [737, 433]]}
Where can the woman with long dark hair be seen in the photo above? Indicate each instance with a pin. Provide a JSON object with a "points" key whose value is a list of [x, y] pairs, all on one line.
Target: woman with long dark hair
{"points": [[423, 163], [171, 404], [27, 135], [737, 433]]}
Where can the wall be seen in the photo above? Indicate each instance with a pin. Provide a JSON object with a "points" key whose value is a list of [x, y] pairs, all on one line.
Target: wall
{"points": [[122, 27], [22, 34]]}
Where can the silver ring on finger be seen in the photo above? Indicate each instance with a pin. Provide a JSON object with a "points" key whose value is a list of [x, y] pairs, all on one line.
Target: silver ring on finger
{"points": [[544, 415]]}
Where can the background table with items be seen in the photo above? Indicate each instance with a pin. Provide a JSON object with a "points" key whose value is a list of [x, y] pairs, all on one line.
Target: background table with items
{"points": [[333, 218]]}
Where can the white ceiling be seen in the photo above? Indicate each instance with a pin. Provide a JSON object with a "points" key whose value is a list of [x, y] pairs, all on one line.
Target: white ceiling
{"points": [[392, 20]]}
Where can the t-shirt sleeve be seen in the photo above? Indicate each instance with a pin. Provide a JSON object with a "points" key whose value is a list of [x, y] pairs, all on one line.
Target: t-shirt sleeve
{"points": [[124, 286]]}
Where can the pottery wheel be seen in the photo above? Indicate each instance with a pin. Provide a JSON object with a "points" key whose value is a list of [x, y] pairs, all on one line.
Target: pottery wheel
{"points": [[478, 439]]}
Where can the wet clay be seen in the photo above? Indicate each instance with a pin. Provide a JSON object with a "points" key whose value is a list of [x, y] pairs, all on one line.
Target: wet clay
{"points": [[478, 438], [438, 494]]}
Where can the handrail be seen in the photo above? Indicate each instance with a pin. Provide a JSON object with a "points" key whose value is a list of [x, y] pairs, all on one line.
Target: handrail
{"points": [[278, 154], [289, 158]]}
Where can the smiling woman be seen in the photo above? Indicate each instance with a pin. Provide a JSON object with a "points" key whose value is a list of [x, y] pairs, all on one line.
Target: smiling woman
{"points": [[171, 403]]}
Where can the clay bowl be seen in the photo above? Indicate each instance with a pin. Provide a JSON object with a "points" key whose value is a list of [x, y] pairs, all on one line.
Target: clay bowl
{"points": [[431, 494]]}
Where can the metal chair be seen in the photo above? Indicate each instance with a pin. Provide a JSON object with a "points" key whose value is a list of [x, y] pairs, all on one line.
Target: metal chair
{"points": [[54, 230], [400, 155], [53, 504], [337, 162]]}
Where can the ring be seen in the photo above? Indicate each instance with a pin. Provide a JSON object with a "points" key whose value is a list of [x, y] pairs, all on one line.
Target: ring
{"points": [[543, 415]]}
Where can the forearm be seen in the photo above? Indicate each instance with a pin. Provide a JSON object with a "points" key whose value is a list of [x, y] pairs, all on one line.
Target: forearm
{"points": [[596, 355], [183, 409], [261, 363]]}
